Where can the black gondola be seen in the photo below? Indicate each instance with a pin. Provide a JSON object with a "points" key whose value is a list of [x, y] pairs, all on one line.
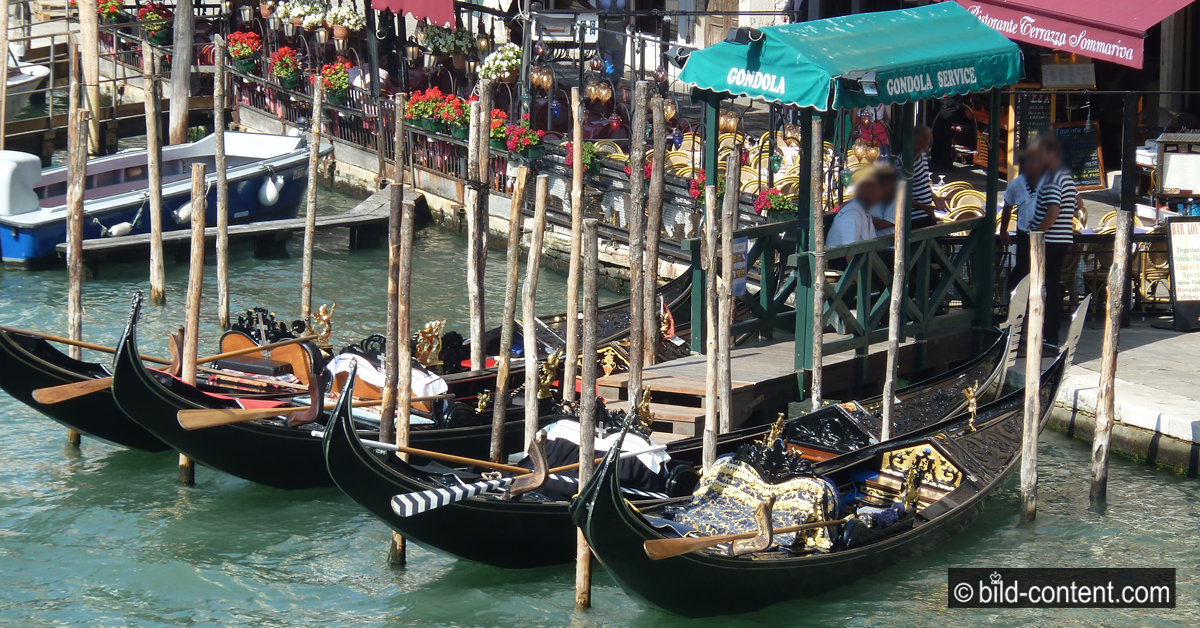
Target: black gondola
{"points": [[982, 451], [30, 363], [537, 532], [266, 452]]}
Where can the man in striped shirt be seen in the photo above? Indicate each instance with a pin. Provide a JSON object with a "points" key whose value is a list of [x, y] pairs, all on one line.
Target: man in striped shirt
{"points": [[1055, 210], [922, 187]]}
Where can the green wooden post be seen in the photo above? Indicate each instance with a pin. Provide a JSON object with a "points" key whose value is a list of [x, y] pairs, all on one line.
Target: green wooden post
{"points": [[712, 114], [985, 236], [805, 282]]}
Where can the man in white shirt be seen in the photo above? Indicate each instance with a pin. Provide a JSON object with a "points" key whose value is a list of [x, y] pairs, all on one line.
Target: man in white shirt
{"points": [[1021, 194], [853, 222]]}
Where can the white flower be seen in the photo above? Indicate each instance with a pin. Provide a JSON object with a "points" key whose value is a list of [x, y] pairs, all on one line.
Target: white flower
{"points": [[506, 59], [314, 20], [346, 16]]}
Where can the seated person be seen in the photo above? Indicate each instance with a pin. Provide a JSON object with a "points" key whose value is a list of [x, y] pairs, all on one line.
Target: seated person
{"points": [[853, 222], [883, 213]]}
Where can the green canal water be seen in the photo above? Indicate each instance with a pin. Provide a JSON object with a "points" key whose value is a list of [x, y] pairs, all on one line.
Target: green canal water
{"points": [[103, 536]]}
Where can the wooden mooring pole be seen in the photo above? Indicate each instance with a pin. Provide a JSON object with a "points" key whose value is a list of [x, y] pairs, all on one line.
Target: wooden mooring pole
{"points": [[181, 70], [1106, 400], [191, 321], [89, 47], [387, 411], [150, 84], [895, 303], [529, 309], [310, 215], [654, 206], [476, 254], [636, 219], [222, 182], [77, 177], [4, 84], [711, 227], [575, 262], [587, 401], [397, 553], [818, 230], [1033, 374], [729, 218], [508, 321]]}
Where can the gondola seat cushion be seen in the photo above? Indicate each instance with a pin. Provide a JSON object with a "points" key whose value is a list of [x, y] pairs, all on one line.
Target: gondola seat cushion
{"points": [[731, 491]]}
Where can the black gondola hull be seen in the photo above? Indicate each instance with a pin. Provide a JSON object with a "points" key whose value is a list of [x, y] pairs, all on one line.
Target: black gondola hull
{"points": [[30, 363]]}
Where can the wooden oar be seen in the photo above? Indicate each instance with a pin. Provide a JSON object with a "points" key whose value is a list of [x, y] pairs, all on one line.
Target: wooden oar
{"points": [[77, 343], [66, 392], [658, 549], [202, 418]]}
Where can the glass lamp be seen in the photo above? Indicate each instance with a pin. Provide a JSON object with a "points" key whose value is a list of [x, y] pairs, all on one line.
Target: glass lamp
{"points": [[246, 13], [322, 36], [289, 29], [339, 45], [472, 65], [273, 22]]}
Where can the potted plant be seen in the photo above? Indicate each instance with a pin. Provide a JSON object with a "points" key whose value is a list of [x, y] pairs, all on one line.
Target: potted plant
{"points": [[774, 205], [283, 11], [344, 19], [155, 19], [455, 43], [520, 138], [266, 8], [696, 188], [590, 164], [110, 11], [313, 21], [422, 107], [243, 48], [455, 113], [496, 132], [286, 68], [503, 64], [337, 80]]}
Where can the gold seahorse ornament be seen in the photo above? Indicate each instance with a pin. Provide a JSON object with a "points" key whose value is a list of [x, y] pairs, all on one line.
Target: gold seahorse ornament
{"points": [[322, 324], [482, 401], [429, 343], [548, 372], [972, 395]]}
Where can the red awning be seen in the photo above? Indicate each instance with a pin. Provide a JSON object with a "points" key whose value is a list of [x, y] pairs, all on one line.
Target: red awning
{"points": [[439, 12], [1111, 30]]}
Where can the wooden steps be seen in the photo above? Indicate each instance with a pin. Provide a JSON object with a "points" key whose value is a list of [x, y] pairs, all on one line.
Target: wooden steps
{"points": [[682, 420]]}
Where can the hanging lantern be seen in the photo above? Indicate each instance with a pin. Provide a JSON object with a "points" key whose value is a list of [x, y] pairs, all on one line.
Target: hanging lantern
{"points": [[660, 74], [669, 110], [614, 121], [678, 136], [591, 90], [289, 29], [539, 49], [322, 36], [775, 162], [273, 22], [555, 108], [482, 43], [596, 64], [245, 12], [872, 151], [339, 44], [791, 131], [605, 92], [422, 31], [472, 65], [860, 150]]}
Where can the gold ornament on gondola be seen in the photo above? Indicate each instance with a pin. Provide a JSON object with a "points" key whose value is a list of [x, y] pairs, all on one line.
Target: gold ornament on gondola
{"points": [[642, 411], [548, 372], [972, 395], [482, 401], [322, 324], [429, 343], [775, 433]]}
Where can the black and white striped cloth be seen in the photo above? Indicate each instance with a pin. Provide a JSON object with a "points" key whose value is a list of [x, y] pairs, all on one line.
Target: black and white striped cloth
{"points": [[409, 504], [922, 188], [629, 491], [1058, 189]]}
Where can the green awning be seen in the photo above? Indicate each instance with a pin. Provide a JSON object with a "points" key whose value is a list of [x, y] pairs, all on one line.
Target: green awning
{"points": [[912, 54]]}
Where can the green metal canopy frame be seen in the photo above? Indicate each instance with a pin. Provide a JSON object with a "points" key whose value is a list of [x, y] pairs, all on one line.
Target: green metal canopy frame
{"points": [[912, 54]]}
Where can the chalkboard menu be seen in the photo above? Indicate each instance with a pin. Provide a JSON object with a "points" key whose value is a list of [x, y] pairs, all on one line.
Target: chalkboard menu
{"points": [[1183, 239], [1037, 116], [1081, 152]]}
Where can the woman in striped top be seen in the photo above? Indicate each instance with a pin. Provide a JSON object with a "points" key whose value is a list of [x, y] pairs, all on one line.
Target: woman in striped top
{"points": [[1055, 211], [922, 187]]}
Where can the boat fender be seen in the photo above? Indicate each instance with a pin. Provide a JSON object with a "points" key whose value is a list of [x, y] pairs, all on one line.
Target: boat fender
{"points": [[268, 194], [119, 229], [183, 215]]}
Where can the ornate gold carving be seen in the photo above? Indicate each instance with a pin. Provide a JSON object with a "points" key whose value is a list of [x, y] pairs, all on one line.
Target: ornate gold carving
{"points": [[548, 372], [642, 410], [775, 432], [482, 401], [429, 342], [323, 318], [934, 469], [972, 395], [608, 360]]}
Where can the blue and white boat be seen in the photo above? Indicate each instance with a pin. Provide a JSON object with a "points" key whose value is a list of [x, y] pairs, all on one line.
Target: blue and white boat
{"points": [[267, 175]]}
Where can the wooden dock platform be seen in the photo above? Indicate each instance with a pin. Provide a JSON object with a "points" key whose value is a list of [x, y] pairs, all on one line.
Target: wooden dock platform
{"points": [[765, 381], [270, 237]]}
